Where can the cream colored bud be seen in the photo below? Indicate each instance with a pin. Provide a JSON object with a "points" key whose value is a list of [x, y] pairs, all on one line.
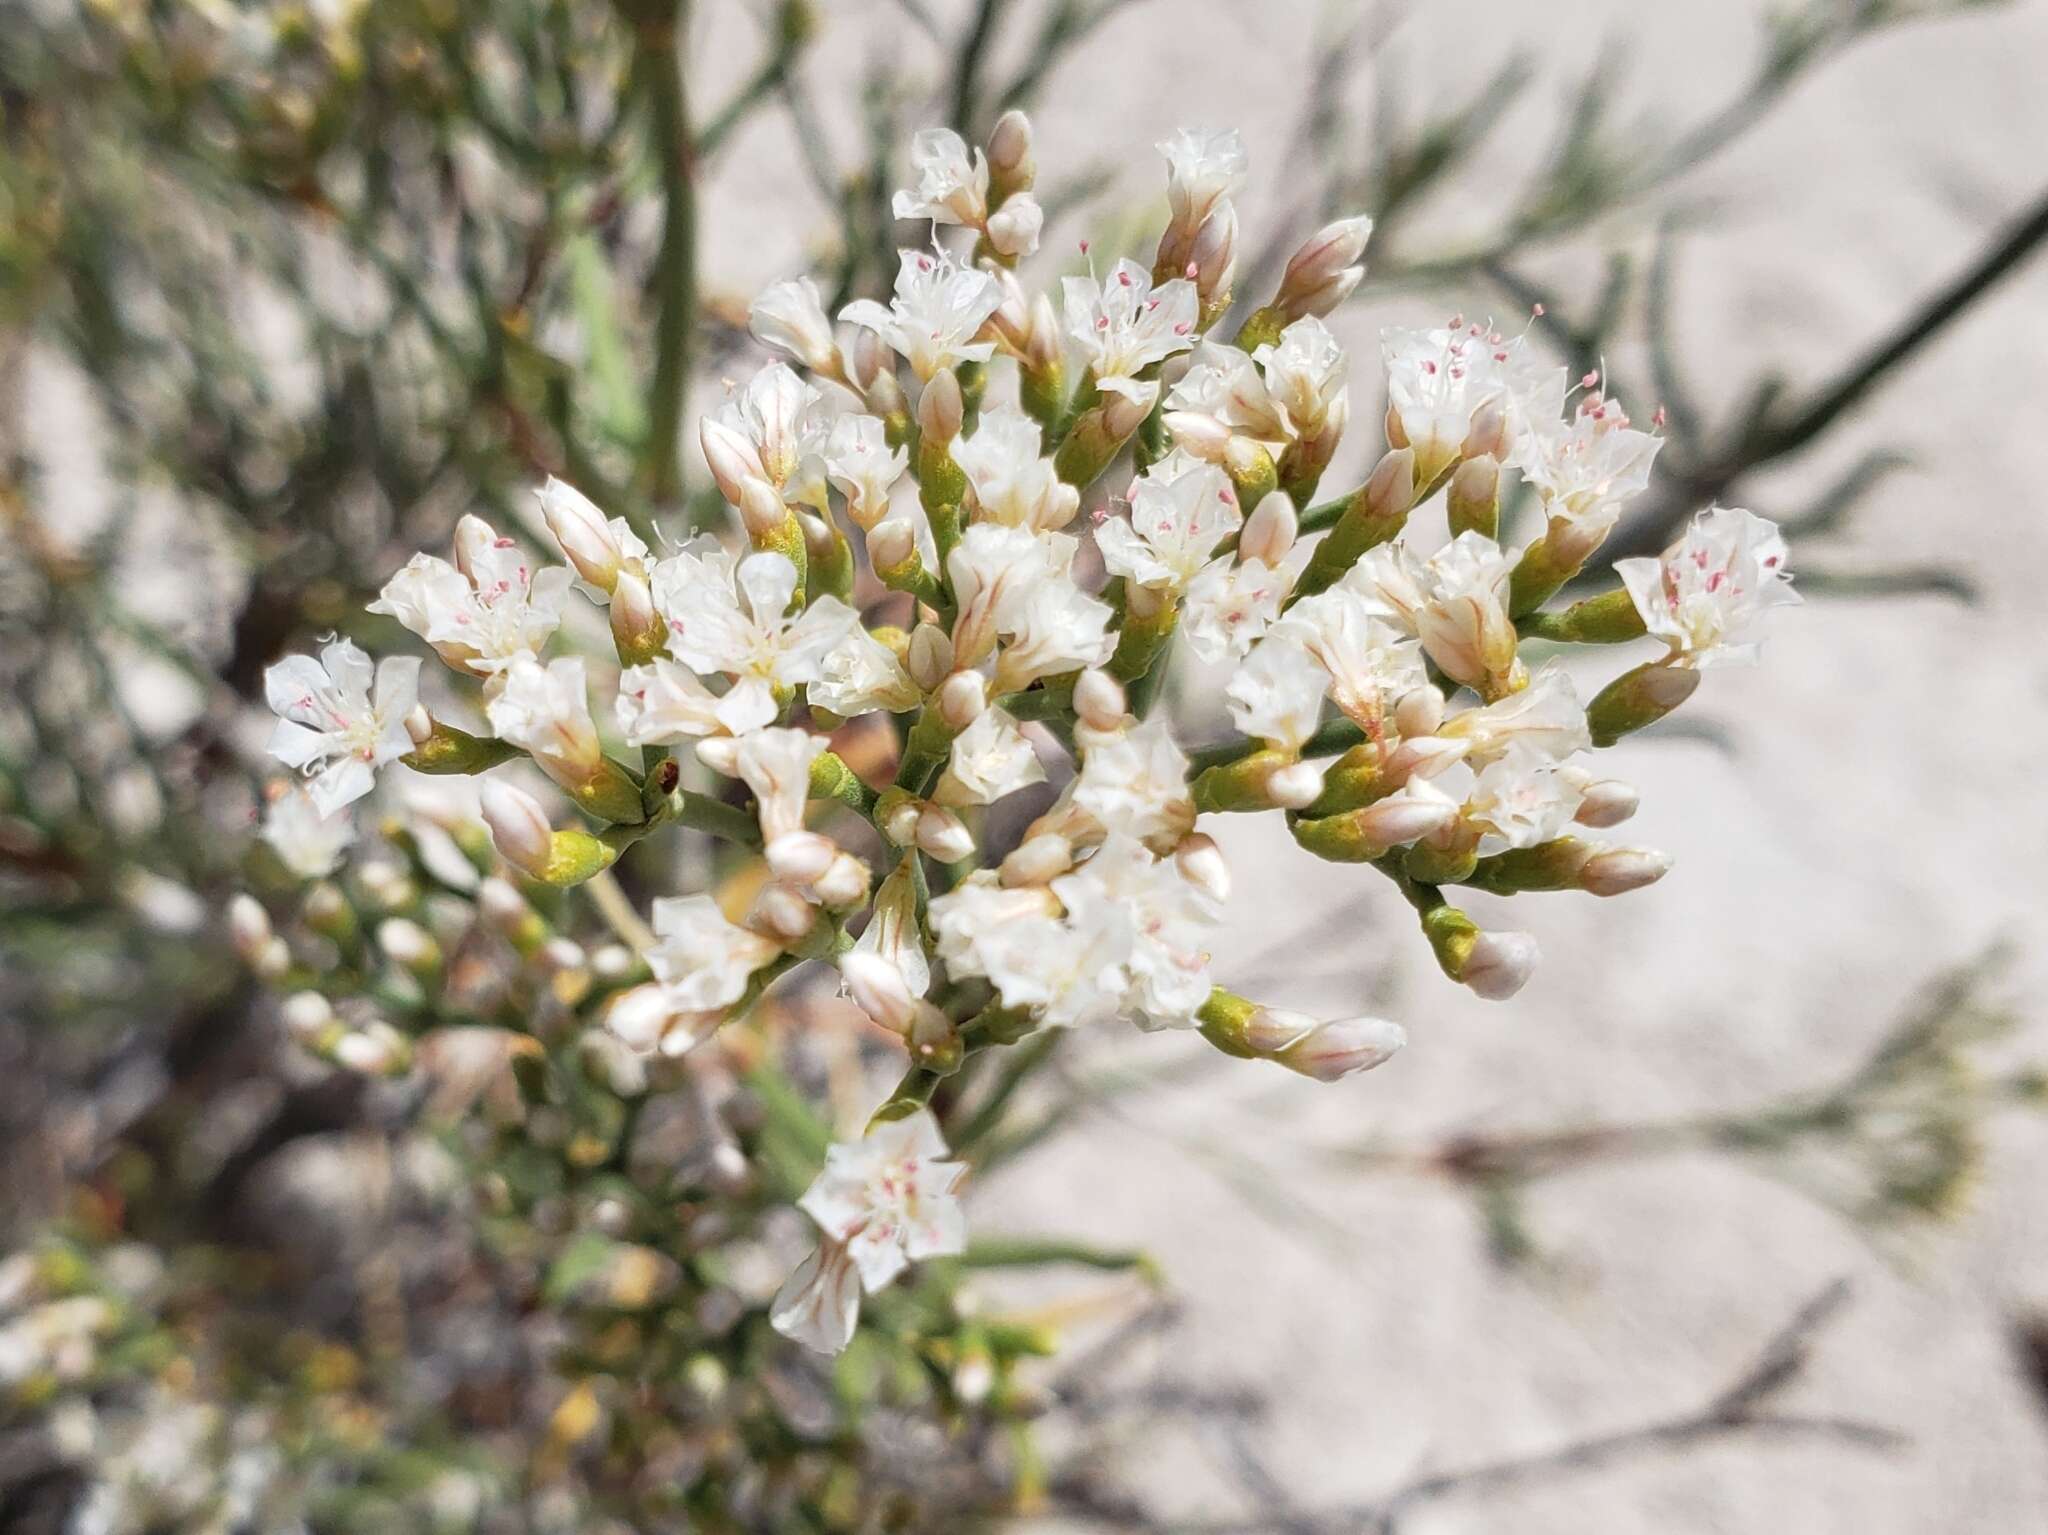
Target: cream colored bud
{"points": [[1009, 150], [843, 885], [1270, 531], [583, 532], [1500, 964], [1099, 700], [1013, 229], [1200, 862], [961, 699], [1476, 482], [304, 1014], [1047, 345], [1422, 757], [638, 1017], [943, 835], [733, 460], [1346, 1045], [248, 927], [821, 542], [885, 397], [419, 725], [1420, 712], [899, 823], [1488, 435], [721, 754], [939, 408], [869, 358], [761, 508], [1401, 818], [1214, 255], [800, 856], [1038, 860], [929, 656], [1390, 488], [782, 913], [376, 1049], [878, 989], [559, 955], [1616, 871], [1397, 434], [1271, 1030], [1194, 432], [408, 944], [519, 826], [637, 629], [1013, 308], [1295, 786], [1322, 273], [1606, 802], [892, 543], [612, 962], [1123, 415]]}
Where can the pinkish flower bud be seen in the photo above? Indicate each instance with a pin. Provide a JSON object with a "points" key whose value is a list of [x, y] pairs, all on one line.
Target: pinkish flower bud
{"points": [[939, 408], [961, 699], [1343, 1046], [878, 989], [761, 508], [1038, 860], [800, 856], [582, 531], [1214, 255], [1606, 802], [1202, 435], [1324, 266], [1099, 700], [1122, 414], [519, 826], [732, 458], [1200, 862], [1420, 712], [1270, 531], [1010, 162], [637, 629], [1619, 870], [1500, 964], [1401, 818]]}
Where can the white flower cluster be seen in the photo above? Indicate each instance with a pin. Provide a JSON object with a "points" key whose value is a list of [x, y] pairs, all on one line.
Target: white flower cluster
{"points": [[932, 469]]}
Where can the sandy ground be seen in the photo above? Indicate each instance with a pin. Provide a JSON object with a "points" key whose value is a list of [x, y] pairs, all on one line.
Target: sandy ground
{"points": [[1871, 824]]}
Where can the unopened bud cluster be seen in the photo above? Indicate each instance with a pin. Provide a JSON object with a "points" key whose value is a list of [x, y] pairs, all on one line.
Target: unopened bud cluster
{"points": [[908, 549]]}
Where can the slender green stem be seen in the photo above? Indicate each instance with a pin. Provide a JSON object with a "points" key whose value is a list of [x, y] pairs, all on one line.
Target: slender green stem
{"points": [[675, 268]]}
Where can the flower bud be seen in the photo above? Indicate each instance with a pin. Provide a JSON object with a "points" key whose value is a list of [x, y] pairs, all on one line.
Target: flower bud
{"points": [[899, 821], [878, 989], [1038, 860], [1343, 1046], [637, 629], [843, 885], [1270, 531], [1099, 700], [1295, 786], [1047, 345], [733, 460], [940, 408], [1214, 255], [249, 927], [892, 544], [782, 913], [1013, 229], [1619, 870], [943, 835], [408, 945], [789, 318], [583, 532], [1419, 712], [1270, 1030], [721, 754], [929, 656], [1200, 862], [1202, 435], [1473, 499], [419, 725], [1010, 163], [1488, 436], [562, 955], [500, 902], [961, 699], [761, 508], [1401, 818], [800, 856], [1499, 964], [1606, 802], [519, 826], [638, 1017], [376, 1049], [304, 1014], [1322, 273], [1123, 414]]}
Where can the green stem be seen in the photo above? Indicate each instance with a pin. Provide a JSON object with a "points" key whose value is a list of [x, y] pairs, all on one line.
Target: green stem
{"points": [[675, 268]]}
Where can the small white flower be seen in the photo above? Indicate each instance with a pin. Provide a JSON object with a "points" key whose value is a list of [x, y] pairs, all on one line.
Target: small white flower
{"points": [[1437, 381], [1371, 664], [770, 430], [967, 917], [1585, 469], [1181, 509], [339, 722], [1518, 800], [952, 185], [1230, 604], [1014, 228], [1223, 394], [892, 932], [1276, 694], [1013, 485], [306, 841], [664, 702], [1203, 166], [1454, 602], [545, 711], [880, 1205], [1166, 971], [1304, 374], [938, 310], [1546, 716], [702, 965], [860, 675], [990, 759], [1124, 326], [776, 765], [789, 317], [485, 610], [1133, 783], [862, 467], [1069, 973], [736, 619], [1057, 628], [1709, 592]]}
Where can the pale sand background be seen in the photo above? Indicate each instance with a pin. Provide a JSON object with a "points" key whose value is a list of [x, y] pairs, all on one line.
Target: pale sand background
{"points": [[1878, 821]]}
